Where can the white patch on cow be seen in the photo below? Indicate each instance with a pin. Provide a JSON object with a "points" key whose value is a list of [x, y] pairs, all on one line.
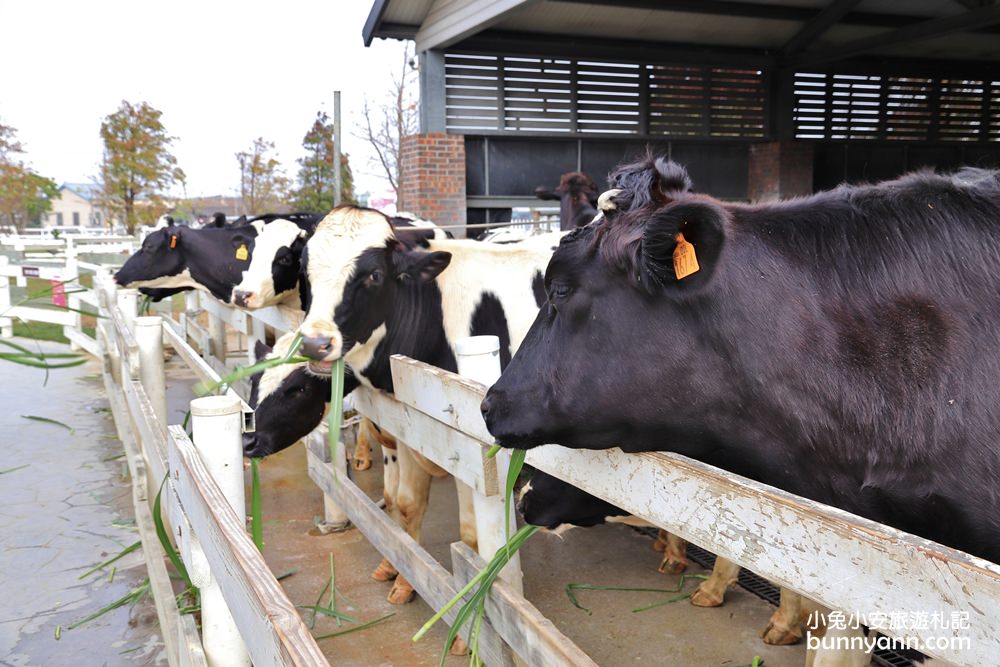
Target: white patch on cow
{"points": [[561, 529], [274, 376], [629, 520], [505, 271], [182, 279], [524, 491], [257, 279], [422, 224], [339, 240], [359, 356]]}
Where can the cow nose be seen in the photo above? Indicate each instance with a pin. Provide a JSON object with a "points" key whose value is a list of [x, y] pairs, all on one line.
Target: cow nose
{"points": [[241, 298], [486, 406], [318, 347]]}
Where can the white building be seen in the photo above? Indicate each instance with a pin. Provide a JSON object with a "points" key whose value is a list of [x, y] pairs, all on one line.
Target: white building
{"points": [[76, 206]]}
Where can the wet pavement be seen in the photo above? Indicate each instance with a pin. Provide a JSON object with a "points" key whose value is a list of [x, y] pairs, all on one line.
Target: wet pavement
{"points": [[65, 506]]}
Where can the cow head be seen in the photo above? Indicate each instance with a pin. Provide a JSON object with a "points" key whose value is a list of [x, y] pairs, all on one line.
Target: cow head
{"points": [[159, 262], [273, 272], [612, 293], [355, 267], [288, 402], [551, 503]]}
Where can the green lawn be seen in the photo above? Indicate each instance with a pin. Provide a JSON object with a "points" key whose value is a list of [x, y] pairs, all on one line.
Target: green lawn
{"points": [[41, 291]]}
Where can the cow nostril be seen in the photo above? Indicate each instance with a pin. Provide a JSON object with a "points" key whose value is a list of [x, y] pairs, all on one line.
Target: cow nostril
{"points": [[485, 406], [317, 347]]}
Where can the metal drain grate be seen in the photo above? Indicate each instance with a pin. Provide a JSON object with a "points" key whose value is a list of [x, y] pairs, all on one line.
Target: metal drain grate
{"points": [[765, 590]]}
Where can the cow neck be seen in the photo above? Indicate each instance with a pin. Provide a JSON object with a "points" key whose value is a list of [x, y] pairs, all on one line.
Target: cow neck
{"points": [[414, 328]]}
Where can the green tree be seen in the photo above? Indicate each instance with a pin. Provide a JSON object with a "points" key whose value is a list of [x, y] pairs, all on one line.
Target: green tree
{"points": [[263, 184], [316, 176], [24, 195], [137, 166]]}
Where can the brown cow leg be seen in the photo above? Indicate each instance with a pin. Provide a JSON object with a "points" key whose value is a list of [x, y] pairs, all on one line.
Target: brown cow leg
{"points": [[712, 591], [785, 626], [674, 553]]}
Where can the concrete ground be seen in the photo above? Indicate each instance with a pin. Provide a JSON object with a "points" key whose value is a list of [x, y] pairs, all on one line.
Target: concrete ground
{"points": [[66, 507]]}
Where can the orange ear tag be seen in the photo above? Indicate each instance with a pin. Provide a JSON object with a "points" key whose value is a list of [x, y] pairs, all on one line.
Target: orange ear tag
{"points": [[685, 259], [173, 242], [242, 253]]}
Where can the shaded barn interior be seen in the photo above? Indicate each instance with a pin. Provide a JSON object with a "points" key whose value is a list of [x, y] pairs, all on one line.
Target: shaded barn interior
{"points": [[759, 99]]}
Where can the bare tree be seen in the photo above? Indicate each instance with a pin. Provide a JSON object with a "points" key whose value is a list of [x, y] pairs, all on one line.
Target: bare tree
{"points": [[385, 124]]}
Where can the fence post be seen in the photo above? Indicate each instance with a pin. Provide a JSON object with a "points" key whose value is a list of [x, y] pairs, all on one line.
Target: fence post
{"points": [[6, 323], [479, 359], [217, 336], [149, 338], [128, 302], [217, 422], [72, 272]]}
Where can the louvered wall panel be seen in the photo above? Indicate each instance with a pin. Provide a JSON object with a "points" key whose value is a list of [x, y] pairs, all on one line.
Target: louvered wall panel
{"points": [[895, 108], [525, 94]]}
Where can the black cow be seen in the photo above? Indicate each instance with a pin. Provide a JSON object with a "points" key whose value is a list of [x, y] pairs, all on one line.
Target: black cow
{"points": [[842, 346], [577, 197]]}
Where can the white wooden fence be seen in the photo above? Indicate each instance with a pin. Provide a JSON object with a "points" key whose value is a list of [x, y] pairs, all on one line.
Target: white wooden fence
{"points": [[837, 559]]}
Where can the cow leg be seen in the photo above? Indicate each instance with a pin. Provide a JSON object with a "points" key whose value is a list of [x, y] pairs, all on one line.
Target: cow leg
{"points": [[410, 507], [390, 488], [712, 591], [661, 540], [363, 445], [466, 515], [785, 626], [674, 553]]}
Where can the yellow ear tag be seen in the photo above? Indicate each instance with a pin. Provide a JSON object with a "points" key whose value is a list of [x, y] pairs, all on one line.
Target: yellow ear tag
{"points": [[173, 242], [685, 259], [242, 253]]}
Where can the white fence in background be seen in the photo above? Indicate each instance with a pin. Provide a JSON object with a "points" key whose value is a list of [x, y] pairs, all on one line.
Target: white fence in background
{"points": [[838, 559]]}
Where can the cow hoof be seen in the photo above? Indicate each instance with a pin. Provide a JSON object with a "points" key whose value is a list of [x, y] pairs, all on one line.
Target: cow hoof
{"points": [[458, 647], [704, 598], [385, 571], [779, 634], [402, 592], [362, 464], [671, 565]]}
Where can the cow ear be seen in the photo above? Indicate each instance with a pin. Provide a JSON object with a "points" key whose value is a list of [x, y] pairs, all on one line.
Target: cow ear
{"points": [[681, 245], [260, 350], [422, 266]]}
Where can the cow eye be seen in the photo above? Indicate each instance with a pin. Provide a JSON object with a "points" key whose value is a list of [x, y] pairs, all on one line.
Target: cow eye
{"points": [[559, 292], [375, 278]]}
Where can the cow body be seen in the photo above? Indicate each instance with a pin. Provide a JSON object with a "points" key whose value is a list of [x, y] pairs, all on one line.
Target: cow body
{"points": [[372, 297], [842, 347]]}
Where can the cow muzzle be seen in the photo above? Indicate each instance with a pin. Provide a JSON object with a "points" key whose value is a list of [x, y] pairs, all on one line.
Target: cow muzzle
{"points": [[244, 299], [321, 348]]}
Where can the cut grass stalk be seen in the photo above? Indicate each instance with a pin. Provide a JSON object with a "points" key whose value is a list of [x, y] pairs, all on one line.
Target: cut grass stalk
{"points": [[336, 408], [363, 626], [164, 537], [47, 420], [286, 574], [493, 451], [129, 598], [4, 472], [256, 510], [332, 604], [121, 554], [243, 372], [570, 588]]}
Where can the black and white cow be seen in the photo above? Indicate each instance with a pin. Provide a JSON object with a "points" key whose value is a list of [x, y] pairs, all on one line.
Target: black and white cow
{"points": [[373, 297], [210, 259], [273, 273], [841, 346]]}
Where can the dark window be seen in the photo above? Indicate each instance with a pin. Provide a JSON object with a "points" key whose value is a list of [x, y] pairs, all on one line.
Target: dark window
{"points": [[59, 219], [76, 218]]}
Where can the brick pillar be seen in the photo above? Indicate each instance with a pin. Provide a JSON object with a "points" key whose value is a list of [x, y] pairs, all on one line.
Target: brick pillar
{"points": [[779, 170], [432, 176]]}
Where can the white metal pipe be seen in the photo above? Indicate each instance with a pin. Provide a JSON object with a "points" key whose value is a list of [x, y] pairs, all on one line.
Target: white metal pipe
{"points": [[217, 422], [479, 359], [128, 302], [149, 338]]}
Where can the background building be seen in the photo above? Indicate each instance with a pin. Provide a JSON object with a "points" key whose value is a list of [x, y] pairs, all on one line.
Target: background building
{"points": [[76, 206]]}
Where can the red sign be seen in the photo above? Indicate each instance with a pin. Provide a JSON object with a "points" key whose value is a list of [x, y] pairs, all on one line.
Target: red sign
{"points": [[58, 293]]}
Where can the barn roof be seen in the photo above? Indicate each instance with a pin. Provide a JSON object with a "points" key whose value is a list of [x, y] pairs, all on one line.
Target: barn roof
{"points": [[787, 33]]}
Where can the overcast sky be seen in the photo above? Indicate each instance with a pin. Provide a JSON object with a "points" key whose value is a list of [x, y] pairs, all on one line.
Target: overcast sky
{"points": [[221, 72]]}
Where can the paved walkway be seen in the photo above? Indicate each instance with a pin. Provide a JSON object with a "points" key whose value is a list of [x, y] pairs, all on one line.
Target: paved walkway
{"points": [[67, 510]]}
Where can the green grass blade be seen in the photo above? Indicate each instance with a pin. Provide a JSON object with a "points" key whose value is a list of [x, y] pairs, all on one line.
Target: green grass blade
{"points": [[130, 598], [516, 463], [364, 626], [571, 588], [4, 472], [327, 611], [164, 537], [121, 554], [286, 574], [46, 420], [256, 518], [39, 361], [336, 407], [493, 451], [332, 604]]}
